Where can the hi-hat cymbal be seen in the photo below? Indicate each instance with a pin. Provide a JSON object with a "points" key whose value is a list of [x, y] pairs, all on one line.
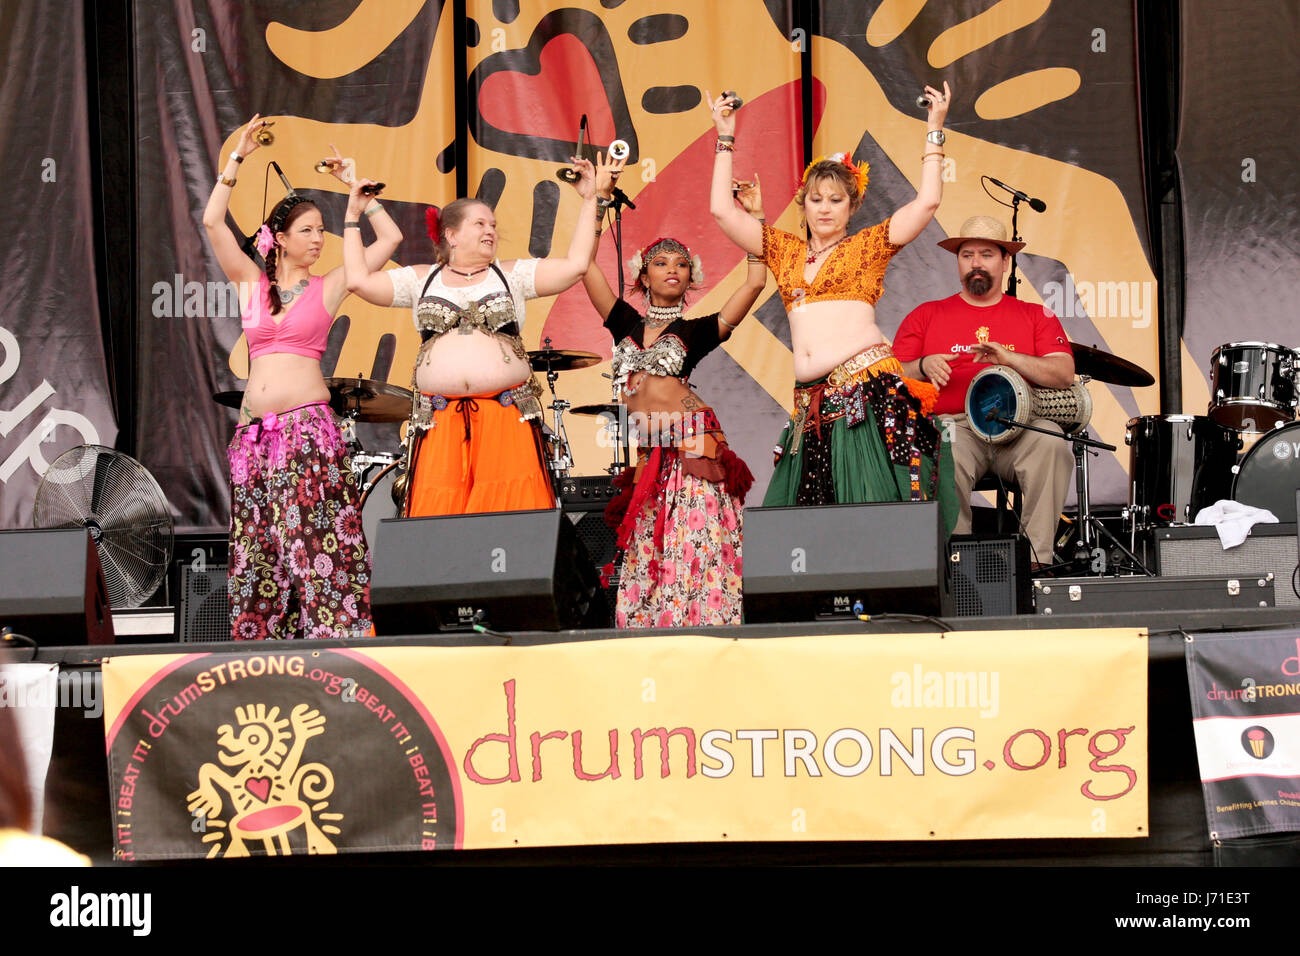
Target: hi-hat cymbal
{"points": [[561, 360], [368, 400], [1105, 367], [607, 408]]}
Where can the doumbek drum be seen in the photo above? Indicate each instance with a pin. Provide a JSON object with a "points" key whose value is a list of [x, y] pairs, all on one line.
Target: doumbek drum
{"points": [[1002, 392]]}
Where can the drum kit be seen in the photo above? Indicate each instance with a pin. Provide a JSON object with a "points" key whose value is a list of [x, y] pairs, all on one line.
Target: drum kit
{"points": [[381, 476], [1178, 464]]}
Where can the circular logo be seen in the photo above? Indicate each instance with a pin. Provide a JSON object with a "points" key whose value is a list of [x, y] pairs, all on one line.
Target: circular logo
{"points": [[1257, 742], [278, 754], [1281, 450]]}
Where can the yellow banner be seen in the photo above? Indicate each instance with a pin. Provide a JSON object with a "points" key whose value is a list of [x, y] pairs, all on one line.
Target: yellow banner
{"points": [[889, 737]]}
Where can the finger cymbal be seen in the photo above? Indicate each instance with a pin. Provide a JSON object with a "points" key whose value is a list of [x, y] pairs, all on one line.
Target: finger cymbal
{"points": [[561, 360], [369, 400], [1103, 366]]}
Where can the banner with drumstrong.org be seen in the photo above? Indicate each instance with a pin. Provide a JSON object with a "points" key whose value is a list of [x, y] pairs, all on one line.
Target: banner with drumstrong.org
{"points": [[904, 737], [54, 391], [1244, 690]]}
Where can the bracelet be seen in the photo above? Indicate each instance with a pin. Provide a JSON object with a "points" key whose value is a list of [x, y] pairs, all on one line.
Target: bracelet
{"points": [[373, 209], [223, 181], [722, 147], [729, 325], [724, 138], [599, 230], [925, 156], [354, 224], [750, 257], [920, 367], [236, 157]]}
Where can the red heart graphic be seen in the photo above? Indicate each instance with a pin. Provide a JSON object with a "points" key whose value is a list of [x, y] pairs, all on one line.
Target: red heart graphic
{"points": [[549, 102], [259, 787]]}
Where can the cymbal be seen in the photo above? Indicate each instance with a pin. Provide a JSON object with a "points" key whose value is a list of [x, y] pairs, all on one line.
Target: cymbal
{"points": [[561, 360], [1105, 367], [607, 408], [371, 400]]}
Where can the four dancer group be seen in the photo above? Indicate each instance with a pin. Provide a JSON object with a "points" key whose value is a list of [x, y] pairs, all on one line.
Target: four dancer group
{"points": [[861, 429]]}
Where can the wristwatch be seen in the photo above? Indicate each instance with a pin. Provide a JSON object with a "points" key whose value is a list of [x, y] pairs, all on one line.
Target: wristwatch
{"points": [[935, 136]]}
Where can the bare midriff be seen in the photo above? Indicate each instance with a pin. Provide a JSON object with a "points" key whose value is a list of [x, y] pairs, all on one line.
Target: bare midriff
{"points": [[474, 364], [280, 381], [824, 334], [659, 393]]}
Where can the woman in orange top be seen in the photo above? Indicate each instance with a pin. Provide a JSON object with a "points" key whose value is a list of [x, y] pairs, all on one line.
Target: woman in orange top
{"points": [[859, 431]]}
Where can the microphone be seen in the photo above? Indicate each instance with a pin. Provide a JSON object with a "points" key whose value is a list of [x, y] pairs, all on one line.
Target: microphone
{"points": [[567, 174], [993, 413], [283, 178], [1037, 205]]}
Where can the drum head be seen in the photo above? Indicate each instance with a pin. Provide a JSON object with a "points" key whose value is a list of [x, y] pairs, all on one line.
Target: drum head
{"points": [[1270, 473], [994, 393]]}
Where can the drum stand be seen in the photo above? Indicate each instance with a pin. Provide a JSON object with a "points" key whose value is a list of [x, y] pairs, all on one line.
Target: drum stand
{"points": [[1088, 529], [561, 461]]}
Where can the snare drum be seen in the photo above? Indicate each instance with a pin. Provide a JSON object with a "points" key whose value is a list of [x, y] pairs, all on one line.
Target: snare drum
{"points": [[1001, 392], [1253, 385], [1178, 464], [1270, 473]]}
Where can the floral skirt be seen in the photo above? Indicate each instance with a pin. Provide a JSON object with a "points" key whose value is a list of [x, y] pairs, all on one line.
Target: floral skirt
{"points": [[299, 565], [682, 562]]}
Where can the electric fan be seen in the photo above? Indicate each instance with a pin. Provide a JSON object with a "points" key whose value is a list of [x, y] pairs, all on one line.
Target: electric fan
{"points": [[115, 498]]}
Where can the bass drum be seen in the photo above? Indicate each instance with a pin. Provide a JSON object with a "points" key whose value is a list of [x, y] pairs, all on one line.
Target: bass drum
{"points": [[1270, 473], [377, 498], [1178, 464]]}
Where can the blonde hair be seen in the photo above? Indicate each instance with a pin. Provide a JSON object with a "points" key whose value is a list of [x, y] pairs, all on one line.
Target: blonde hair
{"points": [[830, 169]]}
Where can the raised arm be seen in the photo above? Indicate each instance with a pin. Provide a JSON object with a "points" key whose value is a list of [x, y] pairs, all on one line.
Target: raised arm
{"points": [[593, 280], [743, 299], [237, 266], [555, 274], [909, 220], [361, 276], [741, 229]]}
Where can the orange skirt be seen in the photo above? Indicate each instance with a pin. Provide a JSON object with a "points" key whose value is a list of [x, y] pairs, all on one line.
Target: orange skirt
{"points": [[478, 456]]}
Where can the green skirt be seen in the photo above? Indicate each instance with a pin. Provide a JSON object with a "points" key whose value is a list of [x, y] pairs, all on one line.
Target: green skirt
{"points": [[860, 468]]}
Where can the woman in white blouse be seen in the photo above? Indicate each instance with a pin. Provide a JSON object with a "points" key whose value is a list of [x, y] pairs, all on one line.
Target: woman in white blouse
{"points": [[476, 408]]}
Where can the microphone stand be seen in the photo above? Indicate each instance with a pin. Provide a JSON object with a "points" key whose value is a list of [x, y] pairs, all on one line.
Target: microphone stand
{"points": [[622, 453], [1088, 523], [1015, 237]]}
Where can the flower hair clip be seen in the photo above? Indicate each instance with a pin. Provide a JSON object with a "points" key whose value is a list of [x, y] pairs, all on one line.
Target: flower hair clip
{"points": [[861, 172], [431, 222], [697, 270], [265, 241]]}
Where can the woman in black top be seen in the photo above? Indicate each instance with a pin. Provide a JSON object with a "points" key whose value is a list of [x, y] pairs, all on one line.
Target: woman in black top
{"points": [[679, 516]]}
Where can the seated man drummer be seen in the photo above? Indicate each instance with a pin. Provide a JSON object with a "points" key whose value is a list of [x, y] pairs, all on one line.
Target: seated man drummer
{"points": [[950, 340]]}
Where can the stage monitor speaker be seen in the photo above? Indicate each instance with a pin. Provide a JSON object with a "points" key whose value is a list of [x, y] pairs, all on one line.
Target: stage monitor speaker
{"points": [[1194, 550], [807, 563], [203, 602], [512, 571], [988, 575], [52, 587]]}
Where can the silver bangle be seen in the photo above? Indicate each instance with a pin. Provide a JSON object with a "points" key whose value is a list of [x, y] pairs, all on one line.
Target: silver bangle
{"points": [[372, 209]]}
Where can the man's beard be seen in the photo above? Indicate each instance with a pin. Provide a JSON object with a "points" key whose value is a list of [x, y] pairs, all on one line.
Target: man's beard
{"points": [[978, 282]]}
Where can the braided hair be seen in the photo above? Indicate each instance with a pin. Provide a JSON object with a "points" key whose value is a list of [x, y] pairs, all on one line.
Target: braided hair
{"points": [[282, 217]]}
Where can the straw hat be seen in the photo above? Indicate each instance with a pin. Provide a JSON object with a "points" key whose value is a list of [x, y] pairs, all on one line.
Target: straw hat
{"points": [[982, 227]]}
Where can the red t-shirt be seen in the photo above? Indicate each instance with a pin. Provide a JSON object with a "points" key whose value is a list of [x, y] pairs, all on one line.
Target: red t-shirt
{"points": [[953, 325]]}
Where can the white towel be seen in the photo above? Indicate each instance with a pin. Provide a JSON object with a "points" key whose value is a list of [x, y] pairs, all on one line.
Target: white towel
{"points": [[1233, 520]]}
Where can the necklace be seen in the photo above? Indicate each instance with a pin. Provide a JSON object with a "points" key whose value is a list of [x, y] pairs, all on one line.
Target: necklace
{"points": [[812, 256], [468, 275], [657, 316], [287, 295]]}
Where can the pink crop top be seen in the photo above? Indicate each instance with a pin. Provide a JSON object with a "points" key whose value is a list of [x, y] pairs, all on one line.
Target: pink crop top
{"points": [[301, 329]]}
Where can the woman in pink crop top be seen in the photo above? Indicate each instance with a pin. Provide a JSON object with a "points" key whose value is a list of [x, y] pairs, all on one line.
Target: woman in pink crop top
{"points": [[299, 566], [847, 374], [476, 414]]}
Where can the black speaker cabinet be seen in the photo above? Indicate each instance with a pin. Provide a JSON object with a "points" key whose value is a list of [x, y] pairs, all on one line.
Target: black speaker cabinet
{"points": [[203, 602], [513, 571], [805, 563], [989, 575], [1192, 550], [52, 587]]}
